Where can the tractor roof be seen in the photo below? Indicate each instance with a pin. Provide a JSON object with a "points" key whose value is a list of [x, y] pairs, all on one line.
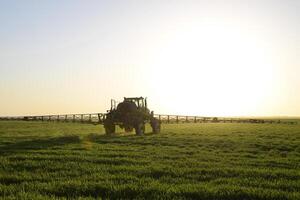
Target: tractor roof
{"points": [[133, 98]]}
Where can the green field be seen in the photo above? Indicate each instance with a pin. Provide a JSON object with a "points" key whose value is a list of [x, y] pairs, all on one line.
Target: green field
{"points": [[186, 161]]}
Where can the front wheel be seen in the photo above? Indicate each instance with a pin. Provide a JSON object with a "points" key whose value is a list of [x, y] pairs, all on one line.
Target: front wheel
{"points": [[109, 127], [140, 129], [155, 124]]}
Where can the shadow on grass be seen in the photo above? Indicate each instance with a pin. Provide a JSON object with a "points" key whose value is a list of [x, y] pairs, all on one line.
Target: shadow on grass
{"points": [[124, 135], [51, 142], [95, 136], [36, 144], [122, 139]]}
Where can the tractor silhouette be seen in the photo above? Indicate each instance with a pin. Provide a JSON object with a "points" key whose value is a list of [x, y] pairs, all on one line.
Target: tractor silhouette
{"points": [[130, 114]]}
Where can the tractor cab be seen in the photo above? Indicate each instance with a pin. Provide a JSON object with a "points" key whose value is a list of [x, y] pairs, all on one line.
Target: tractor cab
{"points": [[140, 102]]}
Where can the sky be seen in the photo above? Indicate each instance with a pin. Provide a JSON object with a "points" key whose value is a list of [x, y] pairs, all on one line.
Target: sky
{"points": [[205, 58]]}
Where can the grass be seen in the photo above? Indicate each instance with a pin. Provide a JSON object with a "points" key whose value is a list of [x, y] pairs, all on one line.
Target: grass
{"points": [[186, 161]]}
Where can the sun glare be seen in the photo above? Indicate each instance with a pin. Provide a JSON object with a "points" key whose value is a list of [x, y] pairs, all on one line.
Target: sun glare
{"points": [[214, 70]]}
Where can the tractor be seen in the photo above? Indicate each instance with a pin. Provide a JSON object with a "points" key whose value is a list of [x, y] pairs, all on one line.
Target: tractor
{"points": [[130, 114]]}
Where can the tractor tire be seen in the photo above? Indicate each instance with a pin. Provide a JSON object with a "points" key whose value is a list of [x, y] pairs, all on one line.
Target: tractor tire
{"points": [[140, 129], [110, 128], [155, 124]]}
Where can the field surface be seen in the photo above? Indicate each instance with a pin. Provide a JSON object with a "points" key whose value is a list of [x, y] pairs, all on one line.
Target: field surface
{"points": [[186, 161]]}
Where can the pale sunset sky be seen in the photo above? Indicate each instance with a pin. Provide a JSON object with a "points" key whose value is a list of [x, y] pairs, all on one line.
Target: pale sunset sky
{"points": [[206, 58]]}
